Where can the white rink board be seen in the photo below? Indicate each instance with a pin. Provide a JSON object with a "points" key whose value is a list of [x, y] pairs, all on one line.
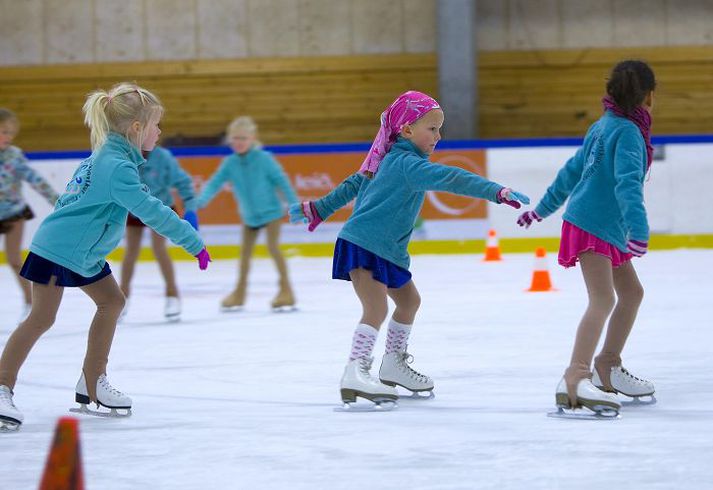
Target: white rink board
{"points": [[246, 400]]}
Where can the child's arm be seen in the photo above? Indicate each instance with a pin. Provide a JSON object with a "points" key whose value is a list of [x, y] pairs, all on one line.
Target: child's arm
{"points": [[423, 175], [183, 183], [558, 192], [213, 185], [280, 180], [314, 212], [35, 180], [128, 192], [629, 170]]}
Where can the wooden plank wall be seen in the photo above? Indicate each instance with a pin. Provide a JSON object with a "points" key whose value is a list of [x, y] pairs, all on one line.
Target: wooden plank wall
{"points": [[294, 100], [339, 99]]}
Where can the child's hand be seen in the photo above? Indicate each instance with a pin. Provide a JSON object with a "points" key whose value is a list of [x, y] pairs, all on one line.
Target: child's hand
{"points": [[512, 198], [203, 259], [637, 248], [527, 218], [305, 212], [192, 218]]}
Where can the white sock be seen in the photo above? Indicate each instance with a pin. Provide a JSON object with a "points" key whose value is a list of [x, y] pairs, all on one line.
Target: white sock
{"points": [[397, 336], [363, 341]]}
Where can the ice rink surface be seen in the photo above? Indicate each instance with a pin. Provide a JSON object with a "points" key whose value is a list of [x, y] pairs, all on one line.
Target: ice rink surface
{"points": [[246, 400]]}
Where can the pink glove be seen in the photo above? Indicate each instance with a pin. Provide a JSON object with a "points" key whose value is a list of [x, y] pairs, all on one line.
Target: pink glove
{"points": [[637, 248], [203, 259], [305, 212], [527, 218]]}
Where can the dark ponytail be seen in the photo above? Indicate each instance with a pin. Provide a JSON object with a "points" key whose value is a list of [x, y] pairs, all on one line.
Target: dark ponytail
{"points": [[629, 83]]}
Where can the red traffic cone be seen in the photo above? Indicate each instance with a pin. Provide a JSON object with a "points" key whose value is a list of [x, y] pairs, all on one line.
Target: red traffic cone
{"points": [[541, 276], [63, 470], [492, 248]]}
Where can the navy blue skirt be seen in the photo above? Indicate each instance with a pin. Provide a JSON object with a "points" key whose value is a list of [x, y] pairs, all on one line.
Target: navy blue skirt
{"points": [[348, 257], [40, 270]]}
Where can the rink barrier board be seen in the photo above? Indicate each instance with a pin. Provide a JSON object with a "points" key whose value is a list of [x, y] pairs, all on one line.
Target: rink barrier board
{"points": [[456, 247]]}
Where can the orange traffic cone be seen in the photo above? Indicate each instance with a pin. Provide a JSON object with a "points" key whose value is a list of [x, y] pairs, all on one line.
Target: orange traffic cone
{"points": [[63, 470], [541, 276], [492, 248]]}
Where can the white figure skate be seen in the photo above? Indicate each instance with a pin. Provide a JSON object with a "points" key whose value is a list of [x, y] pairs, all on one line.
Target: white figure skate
{"points": [[592, 403], [172, 309], [10, 417], [625, 383], [395, 371], [107, 397], [358, 382]]}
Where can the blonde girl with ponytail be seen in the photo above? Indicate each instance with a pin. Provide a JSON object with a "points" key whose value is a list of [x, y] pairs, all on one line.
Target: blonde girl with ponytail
{"points": [[71, 245]]}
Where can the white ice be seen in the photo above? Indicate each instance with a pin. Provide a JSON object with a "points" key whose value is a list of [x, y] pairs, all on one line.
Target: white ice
{"points": [[246, 400]]}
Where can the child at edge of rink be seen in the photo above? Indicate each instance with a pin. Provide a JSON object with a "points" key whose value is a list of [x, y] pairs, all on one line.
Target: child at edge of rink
{"points": [[604, 226], [371, 249], [255, 177], [14, 211], [160, 174], [71, 245]]}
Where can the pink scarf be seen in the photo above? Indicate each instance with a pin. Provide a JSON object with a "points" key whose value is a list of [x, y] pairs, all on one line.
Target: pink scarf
{"points": [[638, 116], [406, 109]]}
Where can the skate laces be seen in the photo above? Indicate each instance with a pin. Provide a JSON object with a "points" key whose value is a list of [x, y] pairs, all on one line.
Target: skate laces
{"points": [[626, 373], [365, 364], [108, 387], [405, 359]]}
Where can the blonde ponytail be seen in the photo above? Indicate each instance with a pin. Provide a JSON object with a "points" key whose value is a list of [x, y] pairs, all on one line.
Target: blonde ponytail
{"points": [[117, 109]]}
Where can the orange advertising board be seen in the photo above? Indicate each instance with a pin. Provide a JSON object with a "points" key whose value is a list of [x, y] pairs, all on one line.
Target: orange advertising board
{"points": [[315, 174]]}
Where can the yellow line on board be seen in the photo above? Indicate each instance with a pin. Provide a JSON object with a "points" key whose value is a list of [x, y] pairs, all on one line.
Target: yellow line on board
{"points": [[507, 245]]}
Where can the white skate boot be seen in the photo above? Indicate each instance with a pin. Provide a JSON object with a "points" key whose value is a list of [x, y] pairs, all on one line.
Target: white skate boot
{"points": [[10, 416], [395, 371], [357, 382], [625, 383], [600, 404], [172, 309], [107, 396]]}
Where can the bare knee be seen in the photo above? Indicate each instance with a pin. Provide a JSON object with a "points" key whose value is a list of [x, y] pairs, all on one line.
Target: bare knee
{"points": [[113, 304], [38, 322], [633, 295]]}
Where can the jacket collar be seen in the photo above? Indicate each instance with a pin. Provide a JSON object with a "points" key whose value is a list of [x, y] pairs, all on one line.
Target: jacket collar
{"points": [[120, 143], [402, 144]]}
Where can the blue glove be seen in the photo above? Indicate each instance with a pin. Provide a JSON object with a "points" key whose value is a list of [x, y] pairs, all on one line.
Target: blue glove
{"points": [[296, 213], [512, 198], [192, 218]]}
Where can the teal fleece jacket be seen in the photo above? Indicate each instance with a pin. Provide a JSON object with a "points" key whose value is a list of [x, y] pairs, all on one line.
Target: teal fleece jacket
{"points": [[89, 219], [387, 206], [255, 177], [604, 181]]}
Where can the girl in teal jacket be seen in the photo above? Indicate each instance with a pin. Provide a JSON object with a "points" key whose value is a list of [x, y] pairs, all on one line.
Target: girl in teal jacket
{"points": [[256, 178], [161, 174], [371, 249], [71, 245], [605, 225]]}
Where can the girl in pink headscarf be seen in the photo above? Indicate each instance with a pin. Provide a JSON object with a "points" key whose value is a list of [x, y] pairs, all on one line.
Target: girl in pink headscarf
{"points": [[371, 249]]}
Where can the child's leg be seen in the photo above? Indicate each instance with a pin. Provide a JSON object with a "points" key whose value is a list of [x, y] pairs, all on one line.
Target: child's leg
{"points": [[46, 300], [630, 293], [407, 302], [237, 297], [110, 301], [285, 296], [131, 255], [13, 244], [597, 272], [158, 245], [372, 295]]}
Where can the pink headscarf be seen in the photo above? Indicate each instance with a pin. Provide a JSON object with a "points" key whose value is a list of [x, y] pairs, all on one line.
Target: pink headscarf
{"points": [[406, 109]]}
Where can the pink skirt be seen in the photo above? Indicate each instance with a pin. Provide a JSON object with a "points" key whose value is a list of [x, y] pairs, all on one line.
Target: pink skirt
{"points": [[575, 241]]}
